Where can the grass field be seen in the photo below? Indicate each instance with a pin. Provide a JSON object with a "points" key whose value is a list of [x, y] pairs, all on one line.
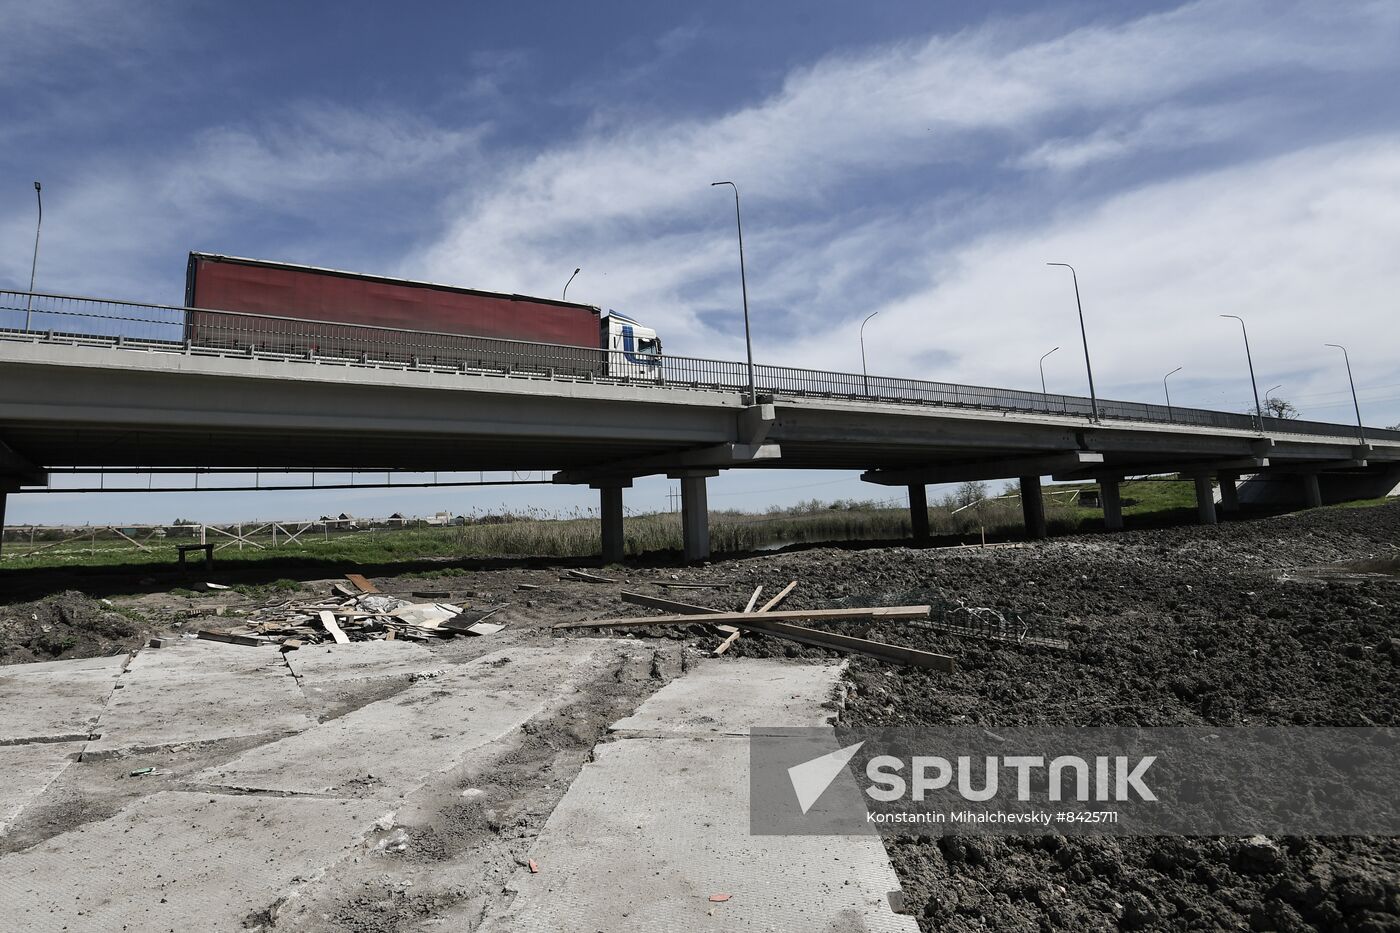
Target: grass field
{"points": [[1145, 503]]}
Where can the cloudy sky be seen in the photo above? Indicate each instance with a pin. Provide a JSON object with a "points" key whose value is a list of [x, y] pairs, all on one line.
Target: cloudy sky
{"points": [[916, 159]]}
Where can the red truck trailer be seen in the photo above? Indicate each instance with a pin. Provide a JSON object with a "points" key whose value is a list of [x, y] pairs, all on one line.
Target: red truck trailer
{"points": [[326, 312]]}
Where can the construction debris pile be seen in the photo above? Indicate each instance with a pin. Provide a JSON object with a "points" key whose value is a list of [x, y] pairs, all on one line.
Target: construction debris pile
{"points": [[359, 614]]}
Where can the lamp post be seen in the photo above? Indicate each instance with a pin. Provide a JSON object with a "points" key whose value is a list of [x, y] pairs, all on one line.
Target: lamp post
{"points": [[1042, 370], [1093, 397], [1269, 392], [1360, 431], [1168, 392], [863, 371], [34, 265], [744, 285], [565, 296], [1258, 409]]}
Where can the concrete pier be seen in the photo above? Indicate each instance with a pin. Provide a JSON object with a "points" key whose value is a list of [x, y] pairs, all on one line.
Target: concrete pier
{"points": [[1205, 499], [695, 515], [918, 511], [1229, 493], [1112, 504], [1312, 490], [1033, 507], [610, 511]]}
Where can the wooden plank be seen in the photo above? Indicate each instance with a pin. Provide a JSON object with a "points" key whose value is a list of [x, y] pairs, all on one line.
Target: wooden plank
{"points": [[588, 577], [230, 638], [328, 620], [875, 649], [363, 585], [753, 600], [878, 614], [340, 589], [672, 585], [668, 605], [782, 595]]}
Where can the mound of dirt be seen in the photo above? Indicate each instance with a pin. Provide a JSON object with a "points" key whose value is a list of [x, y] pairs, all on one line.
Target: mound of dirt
{"points": [[1171, 627], [64, 626]]}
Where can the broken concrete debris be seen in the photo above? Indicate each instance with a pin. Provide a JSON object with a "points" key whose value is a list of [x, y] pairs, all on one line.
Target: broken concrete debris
{"points": [[366, 616]]}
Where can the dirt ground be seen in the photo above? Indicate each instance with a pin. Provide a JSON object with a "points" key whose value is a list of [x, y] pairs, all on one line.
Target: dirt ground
{"points": [[1243, 623]]}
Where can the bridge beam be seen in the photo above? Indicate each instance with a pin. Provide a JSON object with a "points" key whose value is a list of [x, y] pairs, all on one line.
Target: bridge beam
{"points": [[695, 514], [1205, 499], [1184, 467], [918, 511], [1033, 507], [3, 496], [1112, 504], [700, 458], [972, 470]]}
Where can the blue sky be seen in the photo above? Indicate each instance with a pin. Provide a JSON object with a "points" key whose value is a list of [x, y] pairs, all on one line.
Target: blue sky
{"points": [[920, 160]]}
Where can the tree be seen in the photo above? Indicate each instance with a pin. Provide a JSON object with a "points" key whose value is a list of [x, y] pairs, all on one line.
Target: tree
{"points": [[1275, 407], [970, 492]]}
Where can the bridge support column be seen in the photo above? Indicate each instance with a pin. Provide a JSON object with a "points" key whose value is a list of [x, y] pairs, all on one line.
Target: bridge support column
{"points": [[3, 496], [1205, 499], [1112, 504], [1312, 490], [1033, 507], [695, 513], [1229, 494], [918, 511], [610, 511]]}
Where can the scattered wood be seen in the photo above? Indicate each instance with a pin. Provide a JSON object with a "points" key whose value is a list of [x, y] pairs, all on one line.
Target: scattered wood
{"points": [[876, 614], [753, 600], [340, 589], [330, 625], [673, 585], [527, 586], [363, 585], [432, 594], [588, 577], [733, 634], [229, 637], [669, 605]]}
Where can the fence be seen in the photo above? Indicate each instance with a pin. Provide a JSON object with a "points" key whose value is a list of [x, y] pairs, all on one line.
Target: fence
{"points": [[167, 328]]}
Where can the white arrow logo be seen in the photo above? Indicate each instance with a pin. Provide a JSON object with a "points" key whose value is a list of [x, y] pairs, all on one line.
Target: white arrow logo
{"points": [[811, 778]]}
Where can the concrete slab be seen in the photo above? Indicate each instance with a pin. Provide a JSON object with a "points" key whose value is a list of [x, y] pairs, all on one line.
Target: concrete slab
{"points": [[179, 861], [182, 701], [28, 770], [55, 700], [194, 656], [326, 664], [733, 696], [654, 826], [426, 729]]}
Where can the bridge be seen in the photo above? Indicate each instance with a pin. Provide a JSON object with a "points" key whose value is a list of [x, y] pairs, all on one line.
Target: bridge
{"points": [[97, 384]]}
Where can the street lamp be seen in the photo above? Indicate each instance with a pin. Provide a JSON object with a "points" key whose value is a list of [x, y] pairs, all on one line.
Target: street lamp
{"points": [[565, 296], [1168, 392], [863, 370], [1269, 392], [1042, 370], [34, 265], [743, 284], [1360, 431], [1258, 409], [1093, 398]]}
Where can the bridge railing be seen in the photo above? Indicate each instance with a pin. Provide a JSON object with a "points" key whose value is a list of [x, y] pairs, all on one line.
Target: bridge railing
{"points": [[67, 318]]}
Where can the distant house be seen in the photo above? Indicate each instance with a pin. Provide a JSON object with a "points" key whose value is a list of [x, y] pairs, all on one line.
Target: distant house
{"points": [[441, 518], [396, 519]]}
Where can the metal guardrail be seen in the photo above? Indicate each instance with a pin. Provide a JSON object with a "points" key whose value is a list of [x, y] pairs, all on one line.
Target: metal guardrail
{"points": [[170, 328]]}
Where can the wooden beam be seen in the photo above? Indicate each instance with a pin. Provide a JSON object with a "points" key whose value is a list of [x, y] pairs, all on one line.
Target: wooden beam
{"points": [[831, 640], [877, 614], [363, 585]]}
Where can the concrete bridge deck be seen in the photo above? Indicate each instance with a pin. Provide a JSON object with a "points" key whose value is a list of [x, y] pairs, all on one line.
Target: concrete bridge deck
{"points": [[99, 401]]}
